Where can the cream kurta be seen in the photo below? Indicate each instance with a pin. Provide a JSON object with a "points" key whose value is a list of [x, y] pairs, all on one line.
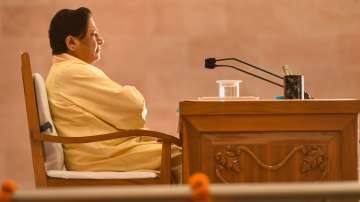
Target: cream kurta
{"points": [[83, 102]]}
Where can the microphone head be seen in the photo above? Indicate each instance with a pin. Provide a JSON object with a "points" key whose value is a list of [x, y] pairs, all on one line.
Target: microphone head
{"points": [[210, 63]]}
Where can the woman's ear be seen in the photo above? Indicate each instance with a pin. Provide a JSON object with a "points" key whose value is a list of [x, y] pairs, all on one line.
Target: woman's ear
{"points": [[71, 43]]}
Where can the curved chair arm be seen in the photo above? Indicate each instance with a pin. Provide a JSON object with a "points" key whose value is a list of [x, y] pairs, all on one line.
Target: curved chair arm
{"points": [[167, 140], [109, 136]]}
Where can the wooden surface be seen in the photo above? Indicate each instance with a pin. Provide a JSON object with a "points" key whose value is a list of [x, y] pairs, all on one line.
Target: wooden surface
{"points": [[270, 141]]}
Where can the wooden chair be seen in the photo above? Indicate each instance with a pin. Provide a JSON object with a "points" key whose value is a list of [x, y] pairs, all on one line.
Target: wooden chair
{"points": [[71, 178]]}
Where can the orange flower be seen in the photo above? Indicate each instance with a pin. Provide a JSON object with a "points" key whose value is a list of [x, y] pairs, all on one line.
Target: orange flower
{"points": [[199, 184], [7, 189]]}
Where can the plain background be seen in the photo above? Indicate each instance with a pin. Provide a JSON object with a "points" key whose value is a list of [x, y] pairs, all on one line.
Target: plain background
{"points": [[159, 46]]}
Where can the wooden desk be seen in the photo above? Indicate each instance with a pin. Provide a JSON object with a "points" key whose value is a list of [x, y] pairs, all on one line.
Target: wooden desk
{"points": [[269, 140]]}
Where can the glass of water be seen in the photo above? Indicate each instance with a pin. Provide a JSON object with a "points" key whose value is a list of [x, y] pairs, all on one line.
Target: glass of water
{"points": [[229, 88]]}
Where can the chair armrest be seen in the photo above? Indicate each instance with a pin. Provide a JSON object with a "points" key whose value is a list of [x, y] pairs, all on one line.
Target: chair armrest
{"points": [[109, 136]]}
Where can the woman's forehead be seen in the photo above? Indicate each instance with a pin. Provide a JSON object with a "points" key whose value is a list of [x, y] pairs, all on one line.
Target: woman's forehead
{"points": [[91, 25]]}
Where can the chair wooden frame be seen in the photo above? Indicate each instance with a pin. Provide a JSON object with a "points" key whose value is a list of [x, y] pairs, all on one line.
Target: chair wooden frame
{"points": [[37, 139]]}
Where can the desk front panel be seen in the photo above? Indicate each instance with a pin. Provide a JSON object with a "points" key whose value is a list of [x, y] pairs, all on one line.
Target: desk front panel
{"points": [[271, 148]]}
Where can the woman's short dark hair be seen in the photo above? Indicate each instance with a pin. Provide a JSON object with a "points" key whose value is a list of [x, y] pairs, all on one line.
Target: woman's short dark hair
{"points": [[67, 22]]}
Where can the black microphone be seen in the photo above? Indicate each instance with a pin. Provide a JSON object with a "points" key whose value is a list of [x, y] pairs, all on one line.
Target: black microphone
{"points": [[210, 63]]}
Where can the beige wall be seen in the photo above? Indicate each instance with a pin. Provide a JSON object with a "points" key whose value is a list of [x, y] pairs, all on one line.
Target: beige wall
{"points": [[159, 46]]}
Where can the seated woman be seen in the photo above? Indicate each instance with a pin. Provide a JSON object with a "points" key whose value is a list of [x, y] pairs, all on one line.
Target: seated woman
{"points": [[84, 101]]}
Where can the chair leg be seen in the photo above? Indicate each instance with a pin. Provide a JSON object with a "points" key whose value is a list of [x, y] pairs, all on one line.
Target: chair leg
{"points": [[165, 174]]}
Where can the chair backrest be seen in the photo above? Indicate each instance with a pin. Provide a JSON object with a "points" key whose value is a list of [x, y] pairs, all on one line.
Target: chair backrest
{"points": [[54, 153], [37, 147]]}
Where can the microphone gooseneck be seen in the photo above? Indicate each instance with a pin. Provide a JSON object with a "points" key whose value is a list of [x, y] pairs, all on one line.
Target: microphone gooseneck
{"points": [[254, 75], [210, 63], [246, 63]]}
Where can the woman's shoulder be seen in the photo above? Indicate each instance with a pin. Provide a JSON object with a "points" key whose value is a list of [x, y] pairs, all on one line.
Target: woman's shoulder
{"points": [[65, 64], [71, 69]]}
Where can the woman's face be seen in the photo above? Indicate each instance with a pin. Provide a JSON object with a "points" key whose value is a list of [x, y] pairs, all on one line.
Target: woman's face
{"points": [[89, 47]]}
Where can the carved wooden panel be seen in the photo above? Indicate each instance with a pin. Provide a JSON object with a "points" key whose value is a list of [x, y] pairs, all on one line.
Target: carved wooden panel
{"points": [[272, 157]]}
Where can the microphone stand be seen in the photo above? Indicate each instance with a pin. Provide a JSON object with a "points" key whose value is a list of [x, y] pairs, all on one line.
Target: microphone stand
{"points": [[248, 64], [210, 63], [254, 75]]}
